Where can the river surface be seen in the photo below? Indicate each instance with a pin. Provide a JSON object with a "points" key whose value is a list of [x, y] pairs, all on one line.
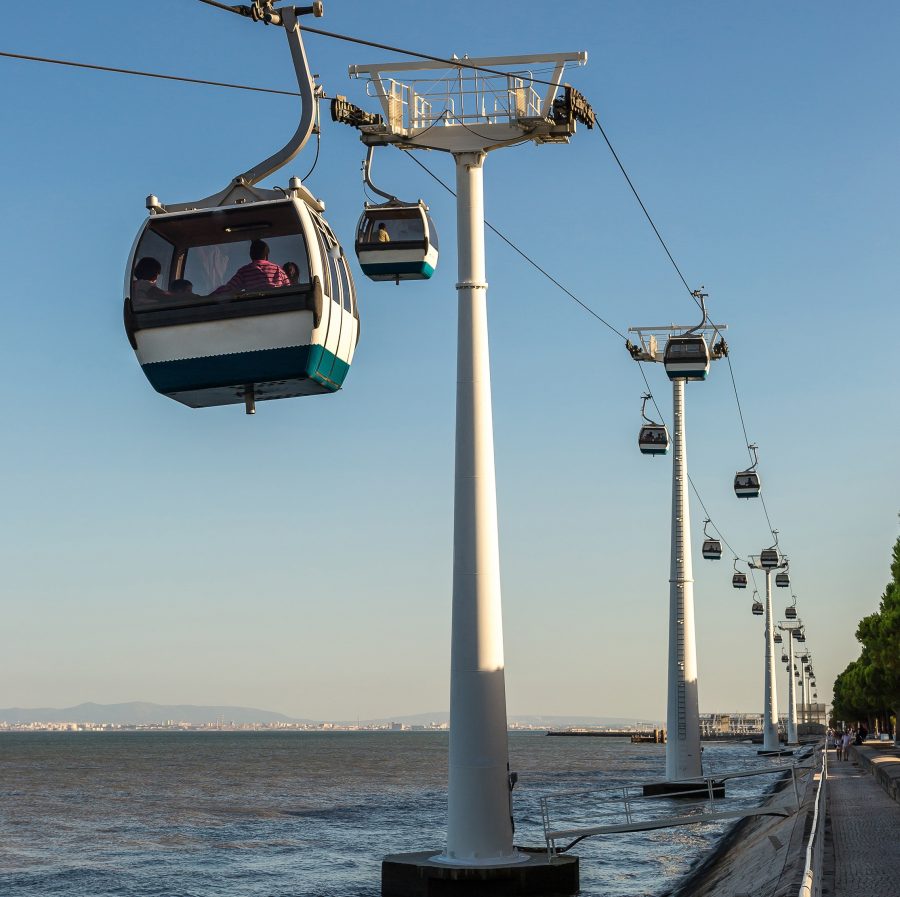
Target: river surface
{"points": [[256, 814]]}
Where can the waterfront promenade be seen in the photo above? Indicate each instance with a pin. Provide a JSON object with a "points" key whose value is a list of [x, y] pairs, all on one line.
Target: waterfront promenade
{"points": [[864, 825]]}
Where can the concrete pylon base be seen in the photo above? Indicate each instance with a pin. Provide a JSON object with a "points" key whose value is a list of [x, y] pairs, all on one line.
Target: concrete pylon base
{"points": [[417, 875]]}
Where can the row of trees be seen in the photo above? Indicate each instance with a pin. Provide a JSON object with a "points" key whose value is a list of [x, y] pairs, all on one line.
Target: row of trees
{"points": [[869, 689]]}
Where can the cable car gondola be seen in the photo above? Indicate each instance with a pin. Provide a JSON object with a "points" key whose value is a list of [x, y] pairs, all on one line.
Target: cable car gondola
{"points": [[800, 636], [782, 580], [769, 558], [746, 482], [777, 638], [395, 240], [791, 610], [712, 548], [757, 607], [244, 295], [687, 357], [738, 579], [653, 438], [784, 658]]}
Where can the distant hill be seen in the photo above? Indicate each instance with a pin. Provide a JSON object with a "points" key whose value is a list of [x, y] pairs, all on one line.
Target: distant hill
{"points": [[146, 713], [143, 713]]}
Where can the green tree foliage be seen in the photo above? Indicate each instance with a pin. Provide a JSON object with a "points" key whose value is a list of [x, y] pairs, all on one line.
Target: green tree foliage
{"points": [[872, 682]]}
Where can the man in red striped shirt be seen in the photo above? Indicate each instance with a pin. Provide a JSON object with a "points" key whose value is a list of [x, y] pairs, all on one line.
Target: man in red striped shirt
{"points": [[260, 274]]}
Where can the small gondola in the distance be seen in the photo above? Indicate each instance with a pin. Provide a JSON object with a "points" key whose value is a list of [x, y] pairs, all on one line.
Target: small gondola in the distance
{"points": [[712, 548], [653, 438], [395, 240], [746, 482]]}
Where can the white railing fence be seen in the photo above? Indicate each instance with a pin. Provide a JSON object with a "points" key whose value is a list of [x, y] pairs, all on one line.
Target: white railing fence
{"points": [[577, 815], [815, 849]]}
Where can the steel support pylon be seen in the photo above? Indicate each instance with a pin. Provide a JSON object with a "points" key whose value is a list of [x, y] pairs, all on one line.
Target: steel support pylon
{"points": [[792, 691], [683, 711], [479, 827], [770, 698]]}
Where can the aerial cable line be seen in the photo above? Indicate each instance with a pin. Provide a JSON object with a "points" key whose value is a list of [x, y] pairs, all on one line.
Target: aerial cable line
{"points": [[649, 218], [242, 10], [737, 399], [587, 308], [119, 71], [458, 63], [523, 254]]}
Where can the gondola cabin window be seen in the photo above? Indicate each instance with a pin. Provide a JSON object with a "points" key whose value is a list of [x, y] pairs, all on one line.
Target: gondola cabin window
{"points": [[199, 256], [402, 227]]}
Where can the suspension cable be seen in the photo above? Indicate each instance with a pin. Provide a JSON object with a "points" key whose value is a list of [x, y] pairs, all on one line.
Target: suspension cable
{"points": [[119, 71], [500, 234]]}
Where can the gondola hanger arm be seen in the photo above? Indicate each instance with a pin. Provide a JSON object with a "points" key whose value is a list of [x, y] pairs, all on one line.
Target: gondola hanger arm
{"points": [[287, 17], [367, 176]]}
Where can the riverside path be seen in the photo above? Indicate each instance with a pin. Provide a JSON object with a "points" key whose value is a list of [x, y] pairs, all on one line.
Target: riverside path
{"points": [[865, 832]]}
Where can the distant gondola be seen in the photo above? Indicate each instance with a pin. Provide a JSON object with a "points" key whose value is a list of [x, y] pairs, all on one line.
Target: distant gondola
{"points": [[395, 240]]}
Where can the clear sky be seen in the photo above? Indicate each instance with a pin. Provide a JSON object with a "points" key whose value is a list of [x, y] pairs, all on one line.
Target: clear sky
{"points": [[300, 560]]}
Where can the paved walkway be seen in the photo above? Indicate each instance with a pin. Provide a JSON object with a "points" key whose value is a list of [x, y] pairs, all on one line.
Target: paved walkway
{"points": [[865, 828]]}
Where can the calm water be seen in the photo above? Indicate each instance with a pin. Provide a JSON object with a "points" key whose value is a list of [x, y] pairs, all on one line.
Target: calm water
{"points": [[207, 814]]}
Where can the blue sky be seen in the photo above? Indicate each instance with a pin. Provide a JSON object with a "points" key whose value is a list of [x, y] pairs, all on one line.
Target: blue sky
{"points": [[300, 560]]}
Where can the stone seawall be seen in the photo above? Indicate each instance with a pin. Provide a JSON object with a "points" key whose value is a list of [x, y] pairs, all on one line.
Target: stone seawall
{"points": [[761, 856]]}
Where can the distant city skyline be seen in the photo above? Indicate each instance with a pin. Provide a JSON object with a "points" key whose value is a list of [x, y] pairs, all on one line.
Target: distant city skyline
{"points": [[301, 559]]}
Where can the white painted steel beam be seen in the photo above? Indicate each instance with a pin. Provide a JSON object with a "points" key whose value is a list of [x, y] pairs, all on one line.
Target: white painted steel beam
{"points": [[792, 691], [770, 696], [579, 57], [479, 827], [683, 713]]}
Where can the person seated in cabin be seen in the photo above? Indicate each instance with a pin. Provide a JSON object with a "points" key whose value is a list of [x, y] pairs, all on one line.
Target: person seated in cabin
{"points": [[292, 269], [260, 274], [182, 287], [382, 234], [144, 290]]}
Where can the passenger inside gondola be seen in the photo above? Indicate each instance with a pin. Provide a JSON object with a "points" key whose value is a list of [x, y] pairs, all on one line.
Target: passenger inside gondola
{"points": [[144, 289], [258, 275], [293, 272], [382, 233], [182, 287]]}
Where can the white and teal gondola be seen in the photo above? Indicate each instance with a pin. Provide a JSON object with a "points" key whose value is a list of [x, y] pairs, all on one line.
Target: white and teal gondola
{"points": [[397, 241], [686, 357], [203, 345]]}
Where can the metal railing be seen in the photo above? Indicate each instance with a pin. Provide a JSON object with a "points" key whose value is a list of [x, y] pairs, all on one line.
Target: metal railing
{"points": [[460, 99], [815, 849], [628, 809]]}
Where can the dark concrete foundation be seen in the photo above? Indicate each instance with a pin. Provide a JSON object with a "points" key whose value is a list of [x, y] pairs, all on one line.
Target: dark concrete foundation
{"points": [[780, 752], [417, 875], [687, 790]]}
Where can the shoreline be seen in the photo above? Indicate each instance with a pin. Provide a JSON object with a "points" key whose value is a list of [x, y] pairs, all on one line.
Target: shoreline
{"points": [[758, 855]]}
